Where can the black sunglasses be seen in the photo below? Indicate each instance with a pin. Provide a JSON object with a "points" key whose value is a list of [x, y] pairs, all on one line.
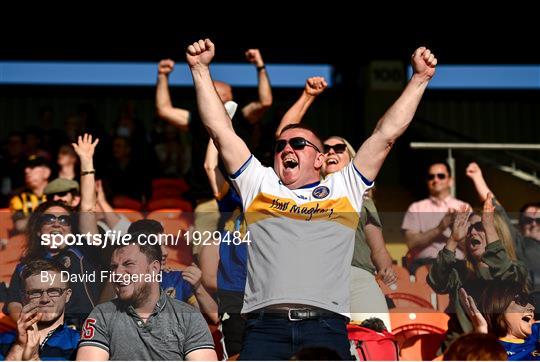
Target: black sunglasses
{"points": [[50, 219], [440, 176], [525, 220], [297, 143], [478, 226], [338, 148], [523, 299]]}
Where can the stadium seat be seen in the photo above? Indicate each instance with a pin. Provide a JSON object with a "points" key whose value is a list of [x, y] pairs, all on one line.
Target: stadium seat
{"points": [[132, 215], [170, 183], [124, 202], [6, 323], [169, 203], [6, 223], [419, 332], [175, 223], [407, 293], [10, 256]]}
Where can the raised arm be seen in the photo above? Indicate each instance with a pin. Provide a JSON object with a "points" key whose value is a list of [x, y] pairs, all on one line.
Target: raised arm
{"points": [[232, 148], [475, 174], [394, 122], [206, 304], [85, 150], [165, 110], [255, 110], [314, 87]]}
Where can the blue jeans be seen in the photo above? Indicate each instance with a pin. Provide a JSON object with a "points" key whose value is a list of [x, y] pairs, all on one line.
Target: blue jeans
{"points": [[280, 339]]}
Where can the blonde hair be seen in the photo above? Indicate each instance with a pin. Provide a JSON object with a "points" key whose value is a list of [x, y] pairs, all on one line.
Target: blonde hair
{"points": [[505, 237]]}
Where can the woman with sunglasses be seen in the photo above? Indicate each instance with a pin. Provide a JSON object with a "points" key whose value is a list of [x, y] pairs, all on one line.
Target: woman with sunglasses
{"points": [[489, 256], [370, 258], [506, 310], [527, 246], [56, 218]]}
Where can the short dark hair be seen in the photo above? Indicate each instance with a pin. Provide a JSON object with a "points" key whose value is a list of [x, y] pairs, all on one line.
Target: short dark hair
{"points": [[302, 126], [35, 267], [496, 298], [476, 347], [525, 207], [146, 227], [444, 163]]}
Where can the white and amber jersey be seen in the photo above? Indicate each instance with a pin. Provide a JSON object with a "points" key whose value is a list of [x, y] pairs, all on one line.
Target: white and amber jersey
{"points": [[302, 240]]}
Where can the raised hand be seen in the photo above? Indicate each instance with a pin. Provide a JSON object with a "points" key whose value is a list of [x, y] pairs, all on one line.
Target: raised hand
{"points": [[200, 53], [31, 348], [473, 171], [315, 86], [85, 147], [459, 226], [30, 315], [424, 62], [447, 220], [165, 66], [192, 274], [488, 219], [254, 56], [477, 319]]}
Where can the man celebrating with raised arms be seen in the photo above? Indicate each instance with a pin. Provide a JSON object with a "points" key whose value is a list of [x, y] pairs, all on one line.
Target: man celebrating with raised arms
{"points": [[303, 227]]}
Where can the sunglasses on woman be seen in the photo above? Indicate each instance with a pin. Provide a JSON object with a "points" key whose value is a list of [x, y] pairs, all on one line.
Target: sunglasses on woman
{"points": [[297, 143], [523, 299], [338, 148], [50, 219]]}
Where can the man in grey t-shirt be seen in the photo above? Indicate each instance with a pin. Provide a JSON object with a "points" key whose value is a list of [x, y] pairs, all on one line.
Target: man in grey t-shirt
{"points": [[143, 323]]}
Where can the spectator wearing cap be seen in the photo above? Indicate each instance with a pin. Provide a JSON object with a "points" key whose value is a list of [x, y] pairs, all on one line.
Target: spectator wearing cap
{"points": [[36, 176], [64, 190]]}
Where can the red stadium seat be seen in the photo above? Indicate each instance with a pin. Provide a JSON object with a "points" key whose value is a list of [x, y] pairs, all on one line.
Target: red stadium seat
{"points": [[175, 223], [6, 223], [10, 256], [181, 204], [419, 332], [124, 202], [132, 215], [174, 183], [6, 323], [407, 293]]}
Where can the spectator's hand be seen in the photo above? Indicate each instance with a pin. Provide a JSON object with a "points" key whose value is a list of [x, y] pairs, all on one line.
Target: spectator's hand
{"points": [[388, 276], [84, 147], [424, 62], [487, 219], [477, 319], [29, 316], [31, 348], [254, 56], [165, 66], [447, 220], [459, 226], [473, 171], [200, 53], [192, 274], [315, 86]]}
